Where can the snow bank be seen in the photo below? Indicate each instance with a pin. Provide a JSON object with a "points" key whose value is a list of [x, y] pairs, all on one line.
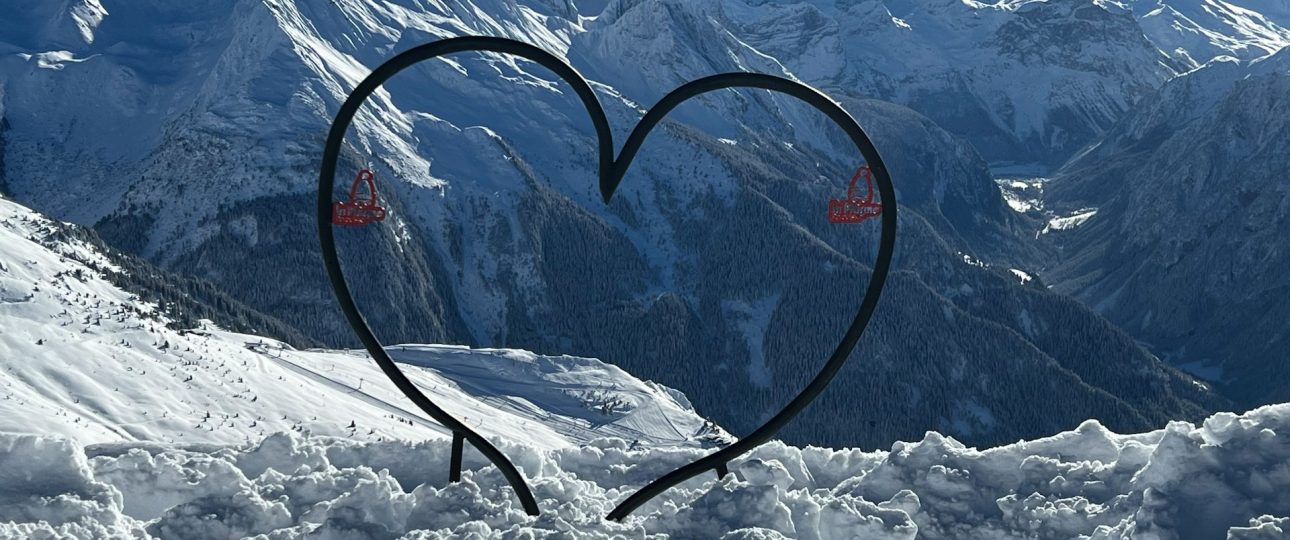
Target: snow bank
{"points": [[1229, 475]]}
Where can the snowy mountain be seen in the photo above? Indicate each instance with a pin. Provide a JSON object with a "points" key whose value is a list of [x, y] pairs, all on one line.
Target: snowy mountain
{"points": [[1193, 32], [1026, 82], [708, 273], [85, 359], [1189, 256], [188, 134]]}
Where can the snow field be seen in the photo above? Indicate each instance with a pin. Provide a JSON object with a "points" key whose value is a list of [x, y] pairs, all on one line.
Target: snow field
{"points": [[1230, 475]]}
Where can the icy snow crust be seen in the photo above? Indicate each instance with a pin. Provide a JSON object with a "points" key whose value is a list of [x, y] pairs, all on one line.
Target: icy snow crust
{"points": [[1230, 474]]}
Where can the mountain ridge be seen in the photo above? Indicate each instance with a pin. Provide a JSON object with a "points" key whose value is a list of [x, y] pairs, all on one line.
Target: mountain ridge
{"points": [[1215, 143], [498, 237]]}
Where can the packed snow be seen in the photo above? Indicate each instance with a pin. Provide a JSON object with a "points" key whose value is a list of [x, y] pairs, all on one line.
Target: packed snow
{"points": [[1021, 275], [1022, 194], [1071, 221]]}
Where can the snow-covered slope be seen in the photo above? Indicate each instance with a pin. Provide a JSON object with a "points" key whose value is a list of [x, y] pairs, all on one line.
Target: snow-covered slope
{"points": [[1185, 482], [1025, 82], [82, 358], [1193, 32]]}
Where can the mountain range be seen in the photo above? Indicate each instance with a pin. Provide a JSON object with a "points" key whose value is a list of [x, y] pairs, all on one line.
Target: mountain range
{"points": [[189, 135]]}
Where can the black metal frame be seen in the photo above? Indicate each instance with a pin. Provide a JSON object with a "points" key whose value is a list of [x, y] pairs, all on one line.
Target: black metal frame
{"points": [[326, 179], [612, 172], [717, 460]]}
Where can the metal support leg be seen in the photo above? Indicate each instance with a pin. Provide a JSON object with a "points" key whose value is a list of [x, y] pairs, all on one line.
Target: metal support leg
{"points": [[454, 467]]}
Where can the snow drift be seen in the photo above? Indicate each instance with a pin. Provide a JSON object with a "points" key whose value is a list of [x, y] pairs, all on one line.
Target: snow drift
{"points": [[1231, 474]]}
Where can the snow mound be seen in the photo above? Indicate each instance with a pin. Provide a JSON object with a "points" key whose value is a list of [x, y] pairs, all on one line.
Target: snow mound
{"points": [[1230, 474]]}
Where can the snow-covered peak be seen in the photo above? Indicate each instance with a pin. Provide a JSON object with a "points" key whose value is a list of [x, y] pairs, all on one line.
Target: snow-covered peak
{"points": [[1194, 32], [173, 83], [1083, 63], [646, 48]]}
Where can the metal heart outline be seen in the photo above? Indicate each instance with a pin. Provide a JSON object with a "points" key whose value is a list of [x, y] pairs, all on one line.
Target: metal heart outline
{"points": [[877, 280], [611, 175]]}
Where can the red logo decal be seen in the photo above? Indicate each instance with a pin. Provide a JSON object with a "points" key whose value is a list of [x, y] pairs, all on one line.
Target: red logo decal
{"points": [[355, 212], [855, 209]]}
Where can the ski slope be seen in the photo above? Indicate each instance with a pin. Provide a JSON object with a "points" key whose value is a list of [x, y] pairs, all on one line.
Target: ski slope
{"points": [[82, 359]]}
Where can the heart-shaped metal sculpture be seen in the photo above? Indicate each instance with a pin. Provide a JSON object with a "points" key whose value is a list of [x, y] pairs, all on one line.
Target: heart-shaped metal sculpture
{"points": [[611, 175]]}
